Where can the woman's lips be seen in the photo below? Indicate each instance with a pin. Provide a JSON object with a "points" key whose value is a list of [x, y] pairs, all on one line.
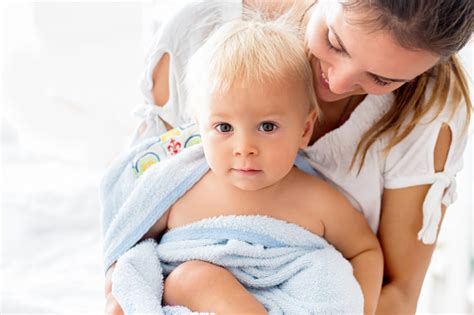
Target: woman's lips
{"points": [[322, 78]]}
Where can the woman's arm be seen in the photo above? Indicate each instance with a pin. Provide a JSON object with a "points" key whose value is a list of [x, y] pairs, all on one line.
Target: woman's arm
{"points": [[406, 258], [161, 86]]}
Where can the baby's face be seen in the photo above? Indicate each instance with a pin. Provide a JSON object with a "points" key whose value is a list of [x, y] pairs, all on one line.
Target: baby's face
{"points": [[251, 135]]}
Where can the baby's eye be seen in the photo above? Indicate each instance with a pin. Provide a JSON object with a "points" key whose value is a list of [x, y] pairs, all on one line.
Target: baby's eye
{"points": [[267, 127], [224, 127]]}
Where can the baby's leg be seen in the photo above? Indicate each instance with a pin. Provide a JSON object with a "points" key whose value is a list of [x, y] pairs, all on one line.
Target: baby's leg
{"points": [[204, 287]]}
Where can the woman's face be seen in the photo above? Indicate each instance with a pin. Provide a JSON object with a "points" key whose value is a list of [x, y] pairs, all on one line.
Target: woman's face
{"points": [[351, 58]]}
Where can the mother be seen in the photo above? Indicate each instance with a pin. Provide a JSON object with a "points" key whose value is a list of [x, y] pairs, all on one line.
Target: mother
{"points": [[395, 109]]}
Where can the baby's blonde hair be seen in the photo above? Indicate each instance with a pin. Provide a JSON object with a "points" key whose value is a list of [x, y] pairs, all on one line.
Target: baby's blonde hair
{"points": [[246, 52]]}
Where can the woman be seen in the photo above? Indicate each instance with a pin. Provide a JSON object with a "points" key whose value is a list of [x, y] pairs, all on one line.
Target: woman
{"points": [[395, 109]]}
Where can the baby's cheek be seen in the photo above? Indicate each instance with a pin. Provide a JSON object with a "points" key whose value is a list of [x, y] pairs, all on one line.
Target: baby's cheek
{"points": [[217, 160], [284, 159]]}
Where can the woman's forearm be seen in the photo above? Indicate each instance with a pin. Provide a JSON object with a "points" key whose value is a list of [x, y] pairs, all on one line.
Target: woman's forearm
{"points": [[394, 300]]}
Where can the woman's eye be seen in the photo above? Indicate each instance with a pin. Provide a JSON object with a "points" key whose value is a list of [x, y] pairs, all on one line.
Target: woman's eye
{"points": [[224, 127], [332, 47], [379, 81], [267, 127]]}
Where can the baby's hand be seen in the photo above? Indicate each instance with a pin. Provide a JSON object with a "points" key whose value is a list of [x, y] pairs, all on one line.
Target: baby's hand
{"points": [[112, 307]]}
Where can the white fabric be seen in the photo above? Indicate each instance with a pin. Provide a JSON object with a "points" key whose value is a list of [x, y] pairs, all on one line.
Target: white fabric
{"points": [[411, 163], [152, 124], [408, 164], [180, 36]]}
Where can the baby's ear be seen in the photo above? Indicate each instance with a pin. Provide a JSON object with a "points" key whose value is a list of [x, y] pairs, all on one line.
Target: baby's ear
{"points": [[308, 128]]}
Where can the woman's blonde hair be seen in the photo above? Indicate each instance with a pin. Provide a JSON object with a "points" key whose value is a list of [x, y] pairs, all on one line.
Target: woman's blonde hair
{"points": [[255, 49], [439, 26]]}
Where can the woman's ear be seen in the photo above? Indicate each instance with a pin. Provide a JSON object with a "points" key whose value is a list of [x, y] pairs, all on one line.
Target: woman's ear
{"points": [[308, 128]]}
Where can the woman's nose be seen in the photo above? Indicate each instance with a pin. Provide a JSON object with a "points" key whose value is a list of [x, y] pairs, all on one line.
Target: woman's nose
{"points": [[343, 79]]}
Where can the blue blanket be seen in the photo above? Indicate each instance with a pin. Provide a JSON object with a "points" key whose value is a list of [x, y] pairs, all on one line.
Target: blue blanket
{"points": [[287, 268]]}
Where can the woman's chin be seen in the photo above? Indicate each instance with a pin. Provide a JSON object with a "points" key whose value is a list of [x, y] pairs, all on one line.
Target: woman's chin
{"points": [[325, 95]]}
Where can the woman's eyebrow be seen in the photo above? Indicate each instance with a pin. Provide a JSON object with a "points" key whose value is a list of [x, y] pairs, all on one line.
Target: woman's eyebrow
{"points": [[339, 41]]}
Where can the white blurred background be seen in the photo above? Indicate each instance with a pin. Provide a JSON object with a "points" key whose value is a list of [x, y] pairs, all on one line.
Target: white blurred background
{"points": [[69, 80]]}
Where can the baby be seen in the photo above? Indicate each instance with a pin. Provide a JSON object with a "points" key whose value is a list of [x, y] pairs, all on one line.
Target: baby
{"points": [[250, 91]]}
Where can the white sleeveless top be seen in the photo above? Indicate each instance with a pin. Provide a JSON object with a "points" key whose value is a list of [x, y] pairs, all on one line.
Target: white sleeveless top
{"points": [[409, 163]]}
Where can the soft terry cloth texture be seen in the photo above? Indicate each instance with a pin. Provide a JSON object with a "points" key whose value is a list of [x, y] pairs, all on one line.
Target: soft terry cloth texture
{"points": [[132, 203], [289, 269]]}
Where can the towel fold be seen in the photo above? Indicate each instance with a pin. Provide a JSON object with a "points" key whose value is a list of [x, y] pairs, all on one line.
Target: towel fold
{"points": [[287, 268]]}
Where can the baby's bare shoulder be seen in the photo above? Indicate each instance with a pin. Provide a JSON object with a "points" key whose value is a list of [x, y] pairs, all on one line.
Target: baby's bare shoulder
{"points": [[315, 190]]}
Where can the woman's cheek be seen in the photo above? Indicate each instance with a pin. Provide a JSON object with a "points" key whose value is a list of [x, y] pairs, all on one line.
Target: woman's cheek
{"points": [[312, 38]]}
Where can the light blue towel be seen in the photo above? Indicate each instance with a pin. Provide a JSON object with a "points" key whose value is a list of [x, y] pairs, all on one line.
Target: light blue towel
{"points": [[290, 270], [287, 268], [132, 203]]}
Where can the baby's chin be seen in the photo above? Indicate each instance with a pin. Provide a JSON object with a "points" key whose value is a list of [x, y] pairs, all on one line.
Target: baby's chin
{"points": [[245, 182]]}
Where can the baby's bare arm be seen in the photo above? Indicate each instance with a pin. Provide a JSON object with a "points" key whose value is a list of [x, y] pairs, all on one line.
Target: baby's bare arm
{"points": [[368, 270], [348, 230]]}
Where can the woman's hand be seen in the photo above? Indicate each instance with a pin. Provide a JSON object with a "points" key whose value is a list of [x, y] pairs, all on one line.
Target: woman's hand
{"points": [[112, 307]]}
